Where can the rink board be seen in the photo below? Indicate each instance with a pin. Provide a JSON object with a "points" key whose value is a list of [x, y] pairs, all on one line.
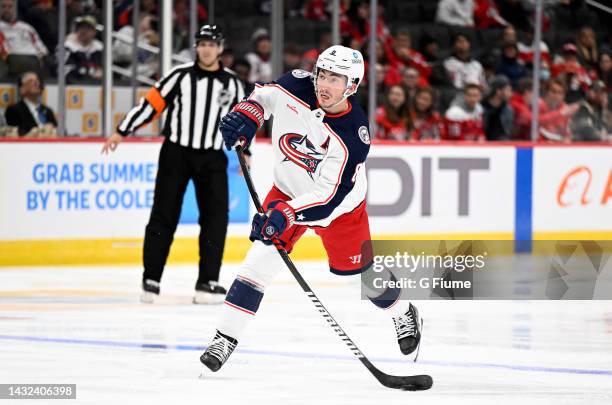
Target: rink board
{"points": [[64, 203]]}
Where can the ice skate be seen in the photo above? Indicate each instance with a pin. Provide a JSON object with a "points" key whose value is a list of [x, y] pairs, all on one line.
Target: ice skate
{"points": [[217, 353], [209, 293], [150, 291], [408, 328]]}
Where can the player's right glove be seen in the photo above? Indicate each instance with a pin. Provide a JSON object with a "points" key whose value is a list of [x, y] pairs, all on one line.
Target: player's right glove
{"points": [[240, 125]]}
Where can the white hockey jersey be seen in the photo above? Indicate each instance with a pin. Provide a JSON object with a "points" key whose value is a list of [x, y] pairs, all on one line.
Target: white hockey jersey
{"points": [[319, 158]]}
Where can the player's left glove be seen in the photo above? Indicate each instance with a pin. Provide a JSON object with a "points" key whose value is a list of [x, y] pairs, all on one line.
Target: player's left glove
{"points": [[256, 226], [279, 218], [241, 124]]}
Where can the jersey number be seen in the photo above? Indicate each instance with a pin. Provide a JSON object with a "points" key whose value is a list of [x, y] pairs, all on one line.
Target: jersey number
{"points": [[357, 169]]}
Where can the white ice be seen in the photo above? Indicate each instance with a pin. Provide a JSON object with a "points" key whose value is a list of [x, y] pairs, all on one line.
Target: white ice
{"points": [[84, 325]]}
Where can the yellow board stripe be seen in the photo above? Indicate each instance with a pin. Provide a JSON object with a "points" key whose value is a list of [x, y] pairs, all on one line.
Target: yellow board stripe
{"points": [[185, 250]]}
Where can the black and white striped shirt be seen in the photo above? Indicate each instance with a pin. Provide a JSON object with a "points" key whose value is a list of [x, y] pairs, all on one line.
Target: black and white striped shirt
{"points": [[195, 101]]}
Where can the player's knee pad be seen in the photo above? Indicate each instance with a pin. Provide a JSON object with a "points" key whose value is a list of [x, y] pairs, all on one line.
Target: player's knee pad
{"points": [[261, 265]]}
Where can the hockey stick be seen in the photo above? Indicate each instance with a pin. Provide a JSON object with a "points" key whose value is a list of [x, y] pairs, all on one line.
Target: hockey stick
{"points": [[409, 383]]}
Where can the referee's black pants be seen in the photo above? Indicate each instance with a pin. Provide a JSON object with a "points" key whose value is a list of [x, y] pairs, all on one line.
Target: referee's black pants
{"points": [[208, 170]]}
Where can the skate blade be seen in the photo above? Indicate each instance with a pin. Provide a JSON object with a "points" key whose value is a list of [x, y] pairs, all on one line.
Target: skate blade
{"points": [[204, 372], [416, 356]]}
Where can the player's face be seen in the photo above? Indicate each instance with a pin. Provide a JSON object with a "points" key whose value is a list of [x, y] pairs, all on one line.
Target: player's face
{"points": [[330, 88], [208, 52]]}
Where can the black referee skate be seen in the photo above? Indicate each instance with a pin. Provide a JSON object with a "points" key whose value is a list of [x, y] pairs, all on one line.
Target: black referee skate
{"points": [[408, 328], [209, 293], [150, 291], [218, 352]]}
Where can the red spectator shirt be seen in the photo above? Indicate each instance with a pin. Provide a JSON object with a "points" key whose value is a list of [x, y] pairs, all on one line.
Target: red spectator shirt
{"points": [[462, 125], [415, 60], [487, 15], [527, 52], [550, 120], [431, 128], [315, 10], [390, 130], [554, 126]]}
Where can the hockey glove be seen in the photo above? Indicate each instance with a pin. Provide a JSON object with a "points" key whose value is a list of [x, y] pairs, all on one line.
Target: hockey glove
{"points": [[279, 218], [240, 125], [257, 225]]}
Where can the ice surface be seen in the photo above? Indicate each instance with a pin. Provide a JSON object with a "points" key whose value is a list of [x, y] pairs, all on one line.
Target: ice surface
{"points": [[84, 325]]}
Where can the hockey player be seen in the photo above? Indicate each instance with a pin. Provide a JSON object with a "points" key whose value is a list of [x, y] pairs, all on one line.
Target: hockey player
{"points": [[321, 140]]}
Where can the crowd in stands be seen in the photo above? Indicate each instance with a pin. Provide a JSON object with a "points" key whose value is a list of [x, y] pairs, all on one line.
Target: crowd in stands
{"points": [[446, 69]]}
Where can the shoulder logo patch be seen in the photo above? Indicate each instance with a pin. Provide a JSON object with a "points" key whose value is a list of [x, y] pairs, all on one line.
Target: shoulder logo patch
{"points": [[364, 135], [299, 73]]}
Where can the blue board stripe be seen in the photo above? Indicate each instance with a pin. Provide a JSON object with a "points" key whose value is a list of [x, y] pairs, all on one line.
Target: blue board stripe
{"points": [[523, 233]]}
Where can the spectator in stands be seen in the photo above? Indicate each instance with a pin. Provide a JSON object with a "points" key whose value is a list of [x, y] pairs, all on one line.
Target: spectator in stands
{"points": [[77, 8], [425, 122], [523, 116], [555, 117], [83, 52], [605, 70], [392, 117], [509, 64], [498, 116], [315, 10], [486, 15], [464, 117], [411, 80], [526, 48], [572, 72], [357, 29], [588, 52], [21, 49], [291, 57], [456, 12], [461, 67], [259, 59], [148, 62], [430, 48], [401, 54], [593, 121], [42, 15], [29, 115], [392, 70]]}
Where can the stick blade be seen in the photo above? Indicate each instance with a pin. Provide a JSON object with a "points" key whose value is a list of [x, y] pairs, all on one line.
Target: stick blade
{"points": [[407, 383]]}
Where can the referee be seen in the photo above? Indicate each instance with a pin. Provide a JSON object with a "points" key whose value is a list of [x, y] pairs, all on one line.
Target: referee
{"points": [[196, 96]]}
